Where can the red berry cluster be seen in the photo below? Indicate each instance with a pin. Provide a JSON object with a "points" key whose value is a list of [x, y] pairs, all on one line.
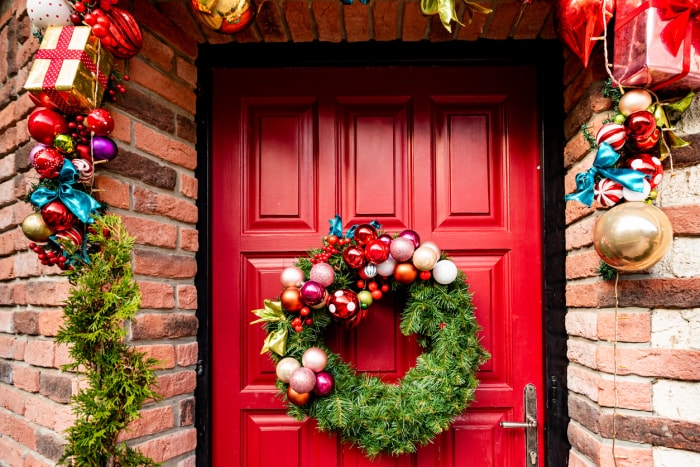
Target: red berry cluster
{"points": [[333, 242], [303, 319], [50, 256], [114, 87]]}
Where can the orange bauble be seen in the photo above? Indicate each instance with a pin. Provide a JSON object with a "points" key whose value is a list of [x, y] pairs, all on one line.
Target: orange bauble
{"points": [[291, 299], [297, 398], [405, 273]]}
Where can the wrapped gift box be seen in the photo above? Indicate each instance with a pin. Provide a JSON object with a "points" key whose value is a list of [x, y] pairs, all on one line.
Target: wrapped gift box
{"points": [[656, 44], [70, 69]]}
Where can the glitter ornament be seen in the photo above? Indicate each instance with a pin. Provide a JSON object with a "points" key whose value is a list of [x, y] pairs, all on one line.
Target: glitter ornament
{"points": [[302, 380], [402, 249], [322, 273]]}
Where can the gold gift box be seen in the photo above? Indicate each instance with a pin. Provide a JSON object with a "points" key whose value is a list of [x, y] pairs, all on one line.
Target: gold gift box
{"points": [[70, 69]]}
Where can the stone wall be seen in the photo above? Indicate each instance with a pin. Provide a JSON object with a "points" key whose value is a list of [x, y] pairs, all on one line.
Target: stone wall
{"points": [[641, 384]]}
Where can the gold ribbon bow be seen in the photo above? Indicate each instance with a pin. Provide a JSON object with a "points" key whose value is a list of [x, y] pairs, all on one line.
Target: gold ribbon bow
{"points": [[276, 341]]}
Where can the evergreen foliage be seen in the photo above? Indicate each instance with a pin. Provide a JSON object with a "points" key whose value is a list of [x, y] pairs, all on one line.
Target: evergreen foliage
{"points": [[396, 418], [104, 297]]}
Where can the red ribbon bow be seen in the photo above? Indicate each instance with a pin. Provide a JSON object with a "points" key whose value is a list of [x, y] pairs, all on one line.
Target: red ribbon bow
{"points": [[679, 13]]}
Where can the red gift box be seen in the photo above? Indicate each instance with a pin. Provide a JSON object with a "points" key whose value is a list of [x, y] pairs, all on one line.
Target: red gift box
{"points": [[656, 44]]}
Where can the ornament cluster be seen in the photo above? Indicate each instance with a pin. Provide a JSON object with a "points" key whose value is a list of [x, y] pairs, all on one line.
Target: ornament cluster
{"points": [[306, 378], [69, 125], [376, 259]]}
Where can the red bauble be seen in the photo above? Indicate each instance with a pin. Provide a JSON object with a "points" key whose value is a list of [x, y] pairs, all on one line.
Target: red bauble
{"points": [[343, 305], [44, 124], [43, 100], [647, 143], [354, 257], [324, 384], [125, 34], [612, 133], [57, 216], [649, 166], [364, 233], [640, 125], [291, 299], [578, 21], [100, 122], [71, 235], [607, 192], [405, 273], [376, 251], [83, 151], [48, 162]]}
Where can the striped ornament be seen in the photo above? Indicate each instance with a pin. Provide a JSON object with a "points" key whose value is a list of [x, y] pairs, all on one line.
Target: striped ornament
{"points": [[84, 168], [612, 133], [607, 192], [649, 165], [71, 235]]}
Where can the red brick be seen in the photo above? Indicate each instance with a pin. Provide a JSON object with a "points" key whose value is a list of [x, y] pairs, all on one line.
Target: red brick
{"points": [[187, 297], [12, 399], [299, 21], [188, 186], [582, 265], [164, 326], [169, 446], [26, 378], [186, 71], [577, 460], [630, 394], [532, 20], [176, 384], [575, 211], [7, 268], [6, 321], [156, 295], [151, 421], [186, 411], [473, 30], [385, 15], [12, 453], [189, 240], [62, 356], [503, 20], [667, 363], [145, 75], [148, 202], [157, 52], [57, 387], [414, 23], [112, 192], [580, 235], [164, 146], [188, 462], [151, 232], [356, 17], [18, 429], [25, 322], [164, 353], [151, 19], [186, 354], [19, 348], [32, 461], [269, 21], [327, 17], [46, 293], [152, 263], [42, 411], [631, 326], [576, 149], [40, 353], [50, 321], [6, 344], [685, 220], [122, 126]]}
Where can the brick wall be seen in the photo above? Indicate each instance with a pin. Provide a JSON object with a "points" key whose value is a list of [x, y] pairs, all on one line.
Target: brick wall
{"points": [[655, 407]]}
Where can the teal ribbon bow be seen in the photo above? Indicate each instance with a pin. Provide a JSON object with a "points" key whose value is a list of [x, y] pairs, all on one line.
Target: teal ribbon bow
{"points": [[337, 227], [604, 163], [78, 202]]}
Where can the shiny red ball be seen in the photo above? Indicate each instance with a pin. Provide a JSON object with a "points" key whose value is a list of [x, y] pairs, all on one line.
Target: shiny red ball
{"points": [[354, 257], [640, 125], [343, 305], [44, 124], [377, 251], [364, 234], [57, 216], [48, 162], [100, 122]]}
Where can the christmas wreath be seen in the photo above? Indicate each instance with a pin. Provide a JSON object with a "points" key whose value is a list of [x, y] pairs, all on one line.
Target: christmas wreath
{"points": [[338, 283]]}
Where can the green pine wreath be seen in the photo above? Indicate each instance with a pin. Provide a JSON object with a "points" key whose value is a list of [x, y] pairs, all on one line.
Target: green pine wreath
{"points": [[366, 412]]}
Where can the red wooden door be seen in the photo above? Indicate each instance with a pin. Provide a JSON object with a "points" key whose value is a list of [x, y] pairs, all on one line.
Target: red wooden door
{"points": [[450, 152]]}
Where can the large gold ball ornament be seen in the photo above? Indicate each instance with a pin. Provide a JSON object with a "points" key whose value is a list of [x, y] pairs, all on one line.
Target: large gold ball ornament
{"points": [[632, 236], [634, 100], [35, 229]]}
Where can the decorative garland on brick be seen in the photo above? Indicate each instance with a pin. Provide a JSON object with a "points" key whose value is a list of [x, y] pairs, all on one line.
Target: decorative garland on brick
{"points": [[338, 283], [69, 228]]}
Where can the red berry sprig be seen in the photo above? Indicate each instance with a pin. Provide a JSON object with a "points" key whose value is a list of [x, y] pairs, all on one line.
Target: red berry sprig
{"points": [[49, 256]]}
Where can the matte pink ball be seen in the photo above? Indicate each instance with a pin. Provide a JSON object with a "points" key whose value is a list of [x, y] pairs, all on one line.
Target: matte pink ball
{"points": [[324, 383], [292, 277], [402, 249], [322, 273], [314, 359], [302, 380]]}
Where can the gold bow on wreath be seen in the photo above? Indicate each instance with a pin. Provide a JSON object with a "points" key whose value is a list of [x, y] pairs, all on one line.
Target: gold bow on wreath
{"points": [[275, 341], [447, 12]]}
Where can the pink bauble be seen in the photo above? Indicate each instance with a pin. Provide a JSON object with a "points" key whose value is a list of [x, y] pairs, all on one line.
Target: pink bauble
{"points": [[302, 380], [612, 133], [314, 359], [411, 235], [424, 258], [292, 277], [607, 192], [376, 251], [364, 233], [322, 273], [386, 268], [445, 272], [312, 293], [343, 304], [286, 367], [354, 256], [402, 249], [649, 165], [324, 384]]}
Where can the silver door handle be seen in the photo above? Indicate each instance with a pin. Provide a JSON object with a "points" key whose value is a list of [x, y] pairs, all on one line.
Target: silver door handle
{"points": [[529, 423]]}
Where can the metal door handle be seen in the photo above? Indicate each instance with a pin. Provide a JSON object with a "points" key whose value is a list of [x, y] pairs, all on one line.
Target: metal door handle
{"points": [[529, 425]]}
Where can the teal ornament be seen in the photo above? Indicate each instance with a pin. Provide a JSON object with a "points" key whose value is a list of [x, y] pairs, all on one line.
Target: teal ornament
{"points": [[604, 166], [82, 205]]}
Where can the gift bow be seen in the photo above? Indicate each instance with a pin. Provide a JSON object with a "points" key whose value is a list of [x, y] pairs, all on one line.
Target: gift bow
{"points": [[337, 227], [79, 203], [678, 13], [605, 159], [275, 341]]}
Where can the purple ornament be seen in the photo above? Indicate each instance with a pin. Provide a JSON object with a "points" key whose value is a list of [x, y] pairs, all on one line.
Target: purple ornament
{"points": [[103, 148], [312, 293], [324, 383], [411, 235]]}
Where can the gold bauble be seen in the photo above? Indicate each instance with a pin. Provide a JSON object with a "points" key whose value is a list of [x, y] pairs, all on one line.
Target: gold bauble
{"points": [[35, 228], [632, 236], [424, 258], [634, 100]]}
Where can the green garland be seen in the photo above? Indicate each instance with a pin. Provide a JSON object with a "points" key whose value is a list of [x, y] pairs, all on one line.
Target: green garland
{"points": [[393, 418]]}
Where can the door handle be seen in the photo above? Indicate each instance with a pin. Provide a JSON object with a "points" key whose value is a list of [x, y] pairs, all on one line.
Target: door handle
{"points": [[529, 425]]}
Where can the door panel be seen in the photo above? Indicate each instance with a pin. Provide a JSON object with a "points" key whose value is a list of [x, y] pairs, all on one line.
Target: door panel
{"points": [[451, 152]]}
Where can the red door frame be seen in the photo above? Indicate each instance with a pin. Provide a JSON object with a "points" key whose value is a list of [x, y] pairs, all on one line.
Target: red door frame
{"points": [[545, 56]]}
